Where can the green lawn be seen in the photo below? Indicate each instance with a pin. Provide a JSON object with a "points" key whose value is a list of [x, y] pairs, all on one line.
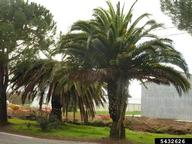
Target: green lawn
{"points": [[127, 113], [82, 132]]}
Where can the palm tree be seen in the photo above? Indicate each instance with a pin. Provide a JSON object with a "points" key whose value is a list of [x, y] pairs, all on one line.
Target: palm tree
{"points": [[114, 49], [49, 79]]}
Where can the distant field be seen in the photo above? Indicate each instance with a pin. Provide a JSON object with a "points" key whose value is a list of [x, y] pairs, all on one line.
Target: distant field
{"points": [[127, 113]]}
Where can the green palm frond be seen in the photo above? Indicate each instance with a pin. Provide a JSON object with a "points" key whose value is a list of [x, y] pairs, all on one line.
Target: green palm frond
{"points": [[112, 40], [50, 78], [161, 74]]}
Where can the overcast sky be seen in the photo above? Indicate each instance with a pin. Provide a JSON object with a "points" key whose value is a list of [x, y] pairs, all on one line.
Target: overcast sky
{"points": [[66, 12]]}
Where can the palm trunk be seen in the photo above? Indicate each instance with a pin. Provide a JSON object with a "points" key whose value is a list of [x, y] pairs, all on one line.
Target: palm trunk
{"points": [[3, 96], [86, 117], [118, 94], [73, 116], [56, 108]]}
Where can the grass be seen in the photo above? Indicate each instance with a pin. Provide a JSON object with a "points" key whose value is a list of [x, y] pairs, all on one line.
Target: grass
{"points": [[66, 130], [148, 138], [71, 131], [127, 113]]}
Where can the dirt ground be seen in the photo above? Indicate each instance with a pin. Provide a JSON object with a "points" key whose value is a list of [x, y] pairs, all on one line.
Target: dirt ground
{"points": [[158, 125]]}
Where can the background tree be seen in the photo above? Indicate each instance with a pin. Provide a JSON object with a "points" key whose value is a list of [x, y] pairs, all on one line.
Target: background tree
{"points": [[114, 49], [180, 12], [50, 79], [25, 29]]}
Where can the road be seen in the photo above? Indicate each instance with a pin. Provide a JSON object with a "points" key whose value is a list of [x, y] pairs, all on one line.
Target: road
{"points": [[6, 138]]}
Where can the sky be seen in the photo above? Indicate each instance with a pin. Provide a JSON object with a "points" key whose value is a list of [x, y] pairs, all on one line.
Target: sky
{"points": [[66, 12]]}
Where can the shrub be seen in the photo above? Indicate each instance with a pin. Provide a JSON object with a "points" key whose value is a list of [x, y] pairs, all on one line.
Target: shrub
{"points": [[97, 123], [43, 123], [47, 123], [28, 125]]}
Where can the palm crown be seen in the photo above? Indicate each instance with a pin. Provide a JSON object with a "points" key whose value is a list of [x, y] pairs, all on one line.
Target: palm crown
{"points": [[112, 40]]}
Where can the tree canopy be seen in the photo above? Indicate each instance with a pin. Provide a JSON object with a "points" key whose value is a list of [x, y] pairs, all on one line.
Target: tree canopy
{"points": [[180, 12], [25, 30]]}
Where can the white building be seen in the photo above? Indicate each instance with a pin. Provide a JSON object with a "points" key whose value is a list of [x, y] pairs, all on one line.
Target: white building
{"points": [[160, 101]]}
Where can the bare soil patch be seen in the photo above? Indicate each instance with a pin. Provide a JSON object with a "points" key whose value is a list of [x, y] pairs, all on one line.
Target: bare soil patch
{"points": [[158, 125]]}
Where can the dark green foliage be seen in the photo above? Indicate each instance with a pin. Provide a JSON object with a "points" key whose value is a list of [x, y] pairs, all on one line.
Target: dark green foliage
{"points": [[112, 45], [33, 77], [96, 123], [25, 30], [28, 125], [180, 11], [47, 123]]}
